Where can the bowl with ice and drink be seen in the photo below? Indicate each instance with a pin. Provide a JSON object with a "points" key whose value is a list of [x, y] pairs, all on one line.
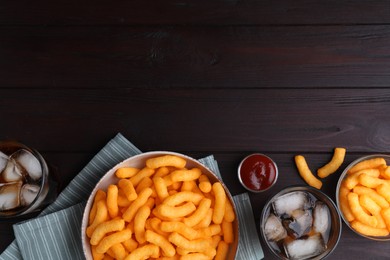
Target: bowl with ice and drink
{"points": [[300, 222], [23, 179]]}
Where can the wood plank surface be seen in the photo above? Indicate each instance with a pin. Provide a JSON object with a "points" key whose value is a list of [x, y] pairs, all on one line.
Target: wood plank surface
{"points": [[200, 57], [220, 12], [198, 77], [271, 120]]}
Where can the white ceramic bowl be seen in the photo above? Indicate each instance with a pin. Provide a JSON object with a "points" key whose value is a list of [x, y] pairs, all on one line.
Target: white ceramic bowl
{"points": [[343, 176], [139, 162]]}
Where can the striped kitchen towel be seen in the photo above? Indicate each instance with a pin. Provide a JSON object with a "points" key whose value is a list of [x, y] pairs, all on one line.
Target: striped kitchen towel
{"points": [[55, 233]]}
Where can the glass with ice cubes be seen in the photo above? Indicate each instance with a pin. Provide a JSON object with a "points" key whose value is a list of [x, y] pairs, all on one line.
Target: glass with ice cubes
{"points": [[24, 182], [300, 222]]}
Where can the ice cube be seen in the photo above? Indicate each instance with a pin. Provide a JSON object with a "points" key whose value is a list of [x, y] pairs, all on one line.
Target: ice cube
{"points": [[274, 229], [300, 224], [305, 248], [322, 220], [28, 193], [3, 161], [12, 172], [9, 195], [287, 203], [29, 162]]}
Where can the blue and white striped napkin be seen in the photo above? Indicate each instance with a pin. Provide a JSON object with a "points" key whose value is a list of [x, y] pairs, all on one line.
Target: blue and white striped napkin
{"points": [[55, 233]]}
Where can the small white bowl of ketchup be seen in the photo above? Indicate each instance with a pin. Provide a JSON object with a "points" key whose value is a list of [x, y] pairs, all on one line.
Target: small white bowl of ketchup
{"points": [[257, 172]]}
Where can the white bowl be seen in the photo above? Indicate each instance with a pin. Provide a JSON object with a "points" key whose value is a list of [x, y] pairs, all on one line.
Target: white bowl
{"points": [[139, 162]]}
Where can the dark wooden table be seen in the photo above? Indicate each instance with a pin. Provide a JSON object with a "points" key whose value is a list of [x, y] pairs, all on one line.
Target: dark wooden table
{"points": [[200, 77]]}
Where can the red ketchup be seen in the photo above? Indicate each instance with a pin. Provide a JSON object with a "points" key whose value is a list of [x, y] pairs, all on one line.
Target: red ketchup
{"points": [[257, 172]]}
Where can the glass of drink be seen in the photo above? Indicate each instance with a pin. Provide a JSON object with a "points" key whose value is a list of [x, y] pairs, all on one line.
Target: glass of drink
{"points": [[24, 180]]}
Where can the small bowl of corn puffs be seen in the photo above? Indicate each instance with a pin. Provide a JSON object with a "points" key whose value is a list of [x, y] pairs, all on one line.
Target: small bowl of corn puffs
{"points": [[161, 205], [363, 196]]}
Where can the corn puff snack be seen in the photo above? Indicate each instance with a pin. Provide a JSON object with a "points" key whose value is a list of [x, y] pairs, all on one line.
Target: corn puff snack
{"points": [[161, 211]]}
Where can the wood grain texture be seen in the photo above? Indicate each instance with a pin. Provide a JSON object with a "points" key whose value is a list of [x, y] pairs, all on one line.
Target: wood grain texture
{"points": [[197, 57], [200, 77], [193, 12], [308, 120]]}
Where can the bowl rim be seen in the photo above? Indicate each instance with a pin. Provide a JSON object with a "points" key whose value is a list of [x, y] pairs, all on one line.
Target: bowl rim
{"points": [[341, 178], [312, 190], [150, 154]]}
